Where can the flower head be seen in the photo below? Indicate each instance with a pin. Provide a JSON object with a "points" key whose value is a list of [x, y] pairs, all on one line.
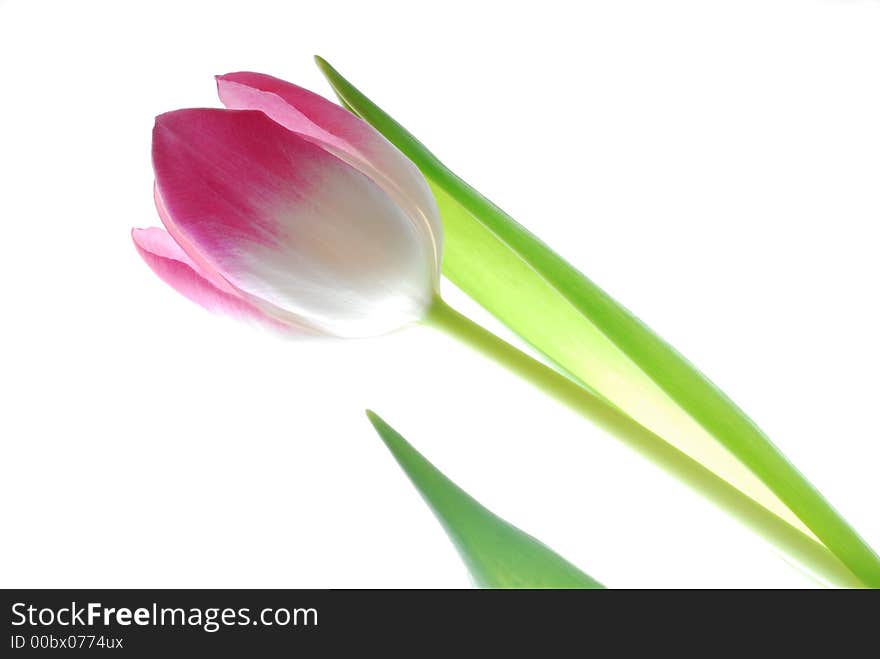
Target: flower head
{"points": [[290, 210]]}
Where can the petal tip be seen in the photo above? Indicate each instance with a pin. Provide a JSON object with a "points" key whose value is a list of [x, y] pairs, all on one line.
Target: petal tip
{"points": [[155, 241], [239, 77], [138, 234], [162, 121]]}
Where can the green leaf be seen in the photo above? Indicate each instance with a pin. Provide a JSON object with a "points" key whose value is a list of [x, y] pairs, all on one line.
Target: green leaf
{"points": [[596, 340], [497, 554]]}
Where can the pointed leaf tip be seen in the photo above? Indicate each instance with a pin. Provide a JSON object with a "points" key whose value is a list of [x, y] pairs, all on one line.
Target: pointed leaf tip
{"points": [[497, 554], [324, 65], [375, 419]]}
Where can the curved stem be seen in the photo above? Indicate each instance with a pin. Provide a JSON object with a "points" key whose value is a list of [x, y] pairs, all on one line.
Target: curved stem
{"points": [[803, 550]]}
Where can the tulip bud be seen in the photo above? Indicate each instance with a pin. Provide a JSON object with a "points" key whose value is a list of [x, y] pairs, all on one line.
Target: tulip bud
{"points": [[331, 231]]}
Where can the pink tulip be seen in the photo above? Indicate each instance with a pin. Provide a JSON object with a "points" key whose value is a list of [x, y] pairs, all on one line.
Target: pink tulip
{"points": [[289, 210]]}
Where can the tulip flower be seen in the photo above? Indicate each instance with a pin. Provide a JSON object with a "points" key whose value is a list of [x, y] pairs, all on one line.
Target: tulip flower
{"points": [[317, 232], [289, 210]]}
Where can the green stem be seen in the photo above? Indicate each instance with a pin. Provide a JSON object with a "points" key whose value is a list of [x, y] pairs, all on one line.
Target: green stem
{"points": [[796, 545]]}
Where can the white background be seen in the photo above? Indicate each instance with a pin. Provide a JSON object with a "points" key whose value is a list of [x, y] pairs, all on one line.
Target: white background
{"points": [[713, 165]]}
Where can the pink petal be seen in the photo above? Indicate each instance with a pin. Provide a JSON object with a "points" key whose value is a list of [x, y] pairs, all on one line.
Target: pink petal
{"points": [[198, 262], [343, 134], [293, 229], [174, 267]]}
